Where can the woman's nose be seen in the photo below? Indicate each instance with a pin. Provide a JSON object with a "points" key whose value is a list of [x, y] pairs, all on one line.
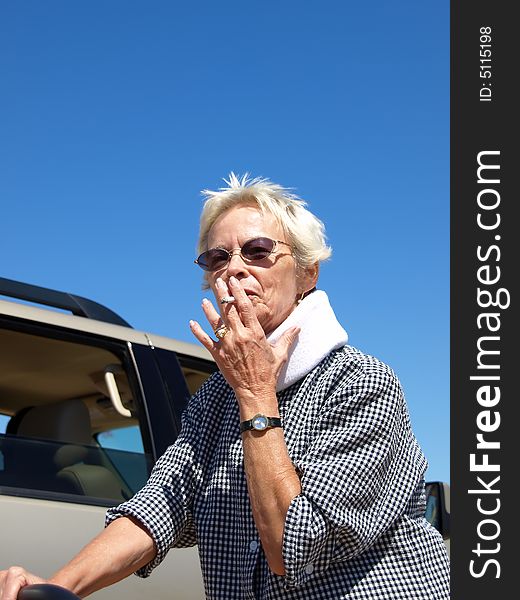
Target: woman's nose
{"points": [[236, 265]]}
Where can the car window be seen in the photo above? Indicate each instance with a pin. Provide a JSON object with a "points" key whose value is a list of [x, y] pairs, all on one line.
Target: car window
{"points": [[124, 448], [61, 432], [3, 423], [125, 438]]}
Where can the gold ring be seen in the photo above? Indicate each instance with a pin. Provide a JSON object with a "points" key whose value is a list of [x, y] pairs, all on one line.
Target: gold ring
{"points": [[221, 331]]}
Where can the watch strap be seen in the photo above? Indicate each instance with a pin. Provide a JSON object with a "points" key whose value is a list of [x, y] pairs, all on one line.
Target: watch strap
{"points": [[270, 423]]}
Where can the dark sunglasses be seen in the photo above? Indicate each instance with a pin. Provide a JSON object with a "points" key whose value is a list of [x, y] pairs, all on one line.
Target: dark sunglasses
{"points": [[255, 249]]}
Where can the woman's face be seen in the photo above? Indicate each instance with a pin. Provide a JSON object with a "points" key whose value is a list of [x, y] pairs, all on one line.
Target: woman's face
{"points": [[271, 283]]}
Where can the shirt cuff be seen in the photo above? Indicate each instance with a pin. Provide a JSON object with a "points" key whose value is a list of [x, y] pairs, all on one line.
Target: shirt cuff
{"points": [[157, 515], [308, 543]]}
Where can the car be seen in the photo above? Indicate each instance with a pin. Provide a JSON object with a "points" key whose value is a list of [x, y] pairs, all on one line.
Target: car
{"points": [[87, 405]]}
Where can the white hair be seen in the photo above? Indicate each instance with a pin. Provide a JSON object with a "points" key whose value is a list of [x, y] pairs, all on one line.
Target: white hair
{"points": [[304, 231]]}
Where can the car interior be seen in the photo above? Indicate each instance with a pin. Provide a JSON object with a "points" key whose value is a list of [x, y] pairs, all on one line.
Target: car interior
{"points": [[65, 433]]}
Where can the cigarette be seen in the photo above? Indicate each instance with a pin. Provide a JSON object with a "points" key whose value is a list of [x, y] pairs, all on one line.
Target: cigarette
{"points": [[227, 299]]}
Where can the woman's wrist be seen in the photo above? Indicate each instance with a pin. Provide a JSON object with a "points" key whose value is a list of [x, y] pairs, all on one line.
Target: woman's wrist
{"points": [[252, 403]]}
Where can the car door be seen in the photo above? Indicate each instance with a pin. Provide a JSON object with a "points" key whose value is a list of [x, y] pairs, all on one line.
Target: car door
{"points": [[83, 417]]}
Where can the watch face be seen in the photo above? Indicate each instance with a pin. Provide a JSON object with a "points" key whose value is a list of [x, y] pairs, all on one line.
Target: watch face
{"points": [[259, 422]]}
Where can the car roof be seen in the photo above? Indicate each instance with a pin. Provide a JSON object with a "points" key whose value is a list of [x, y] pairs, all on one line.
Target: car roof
{"points": [[112, 325]]}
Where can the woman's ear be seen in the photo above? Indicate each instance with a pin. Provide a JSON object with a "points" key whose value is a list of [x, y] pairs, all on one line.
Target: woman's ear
{"points": [[309, 277]]}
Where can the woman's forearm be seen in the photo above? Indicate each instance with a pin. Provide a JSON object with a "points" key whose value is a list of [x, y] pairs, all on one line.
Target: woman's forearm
{"points": [[119, 550], [272, 484]]}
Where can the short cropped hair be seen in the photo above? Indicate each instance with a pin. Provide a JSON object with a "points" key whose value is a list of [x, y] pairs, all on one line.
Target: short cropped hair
{"points": [[304, 231]]}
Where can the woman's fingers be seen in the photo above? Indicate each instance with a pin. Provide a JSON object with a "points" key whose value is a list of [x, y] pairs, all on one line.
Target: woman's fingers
{"points": [[238, 313], [228, 312], [242, 352], [244, 308], [213, 317], [284, 344], [228, 309], [13, 579], [203, 337]]}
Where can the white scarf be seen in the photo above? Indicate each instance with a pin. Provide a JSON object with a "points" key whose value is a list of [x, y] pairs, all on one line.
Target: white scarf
{"points": [[320, 334]]}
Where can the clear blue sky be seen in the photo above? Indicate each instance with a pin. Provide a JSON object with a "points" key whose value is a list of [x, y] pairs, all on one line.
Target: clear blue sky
{"points": [[115, 114]]}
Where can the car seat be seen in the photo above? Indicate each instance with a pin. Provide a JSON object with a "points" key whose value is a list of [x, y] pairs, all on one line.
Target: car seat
{"points": [[52, 449]]}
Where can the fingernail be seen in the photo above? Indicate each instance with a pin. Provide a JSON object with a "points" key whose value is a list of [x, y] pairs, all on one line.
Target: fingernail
{"points": [[233, 280], [204, 301], [219, 282]]}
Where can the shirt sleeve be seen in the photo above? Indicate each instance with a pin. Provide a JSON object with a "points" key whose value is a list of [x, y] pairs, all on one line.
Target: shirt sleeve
{"points": [[163, 505], [358, 474]]}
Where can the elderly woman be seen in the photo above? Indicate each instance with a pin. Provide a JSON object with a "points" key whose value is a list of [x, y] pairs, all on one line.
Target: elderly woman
{"points": [[296, 471]]}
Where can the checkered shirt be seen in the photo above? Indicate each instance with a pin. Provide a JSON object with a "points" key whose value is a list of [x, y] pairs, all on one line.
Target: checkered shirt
{"points": [[356, 531]]}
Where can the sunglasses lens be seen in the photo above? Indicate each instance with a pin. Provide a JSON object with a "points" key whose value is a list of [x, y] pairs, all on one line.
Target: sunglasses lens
{"points": [[258, 248], [213, 259], [217, 258]]}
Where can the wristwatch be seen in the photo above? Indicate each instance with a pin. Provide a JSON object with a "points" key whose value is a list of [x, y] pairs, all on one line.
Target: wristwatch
{"points": [[260, 423]]}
